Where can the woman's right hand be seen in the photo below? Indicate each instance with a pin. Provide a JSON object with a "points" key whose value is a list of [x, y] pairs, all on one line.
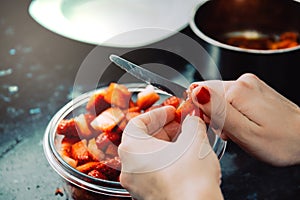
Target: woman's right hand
{"points": [[256, 117]]}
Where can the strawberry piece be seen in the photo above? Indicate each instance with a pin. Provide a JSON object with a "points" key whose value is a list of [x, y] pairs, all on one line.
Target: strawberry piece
{"points": [[134, 109], [93, 149], [97, 103], [111, 150], [147, 97], [185, 108], [118, 95], [131, 115], [102, 141], [82, 122], [120, 127], [70, 161], [80, 152], [110, 168], [67, 127], [87, 167], [172, 101], [108, 119], [96, 174]]}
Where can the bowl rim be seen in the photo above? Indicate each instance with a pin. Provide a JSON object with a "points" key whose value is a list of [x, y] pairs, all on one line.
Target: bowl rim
{"points": [[214, 42]]}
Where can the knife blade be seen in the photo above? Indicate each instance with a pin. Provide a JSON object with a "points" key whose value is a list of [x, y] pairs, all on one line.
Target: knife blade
{"points": [[149, 77]]}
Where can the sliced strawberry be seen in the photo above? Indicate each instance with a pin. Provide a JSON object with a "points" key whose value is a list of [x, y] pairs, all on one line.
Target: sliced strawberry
{"points": [[108, 119], [147, 97], [93, 149], [96, 174], [110, 168], [185, 108], [80, 152], [120, 127], [131, 115], [82, 122], [97, 103], [70, 161], [134, 109], [118, 95], [172, 101], [67, 127], [87, 167], [102, 141], [111, 150]]}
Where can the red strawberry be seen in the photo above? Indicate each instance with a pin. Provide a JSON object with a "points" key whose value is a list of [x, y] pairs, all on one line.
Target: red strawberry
{"points": [[86, 167], [85, 130], [172, 101], [102, 141], [108, 119], [67, 127], [147, 97], [110, 168], [80, 152], [185, 108], [97, 103], [118, 95], [96, 174]]}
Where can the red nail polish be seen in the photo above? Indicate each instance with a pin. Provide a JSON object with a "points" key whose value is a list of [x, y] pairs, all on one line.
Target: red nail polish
{"points": [[203, 96]]}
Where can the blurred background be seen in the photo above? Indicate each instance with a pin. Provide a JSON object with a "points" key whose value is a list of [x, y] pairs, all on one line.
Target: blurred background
{"points": [[37, 72]]}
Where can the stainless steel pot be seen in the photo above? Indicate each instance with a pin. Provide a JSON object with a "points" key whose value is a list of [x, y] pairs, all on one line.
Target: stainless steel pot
{"points": [[213, 19]]}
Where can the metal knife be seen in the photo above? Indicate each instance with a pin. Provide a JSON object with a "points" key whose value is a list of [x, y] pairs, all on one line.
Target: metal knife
{"points": [[149, 77]]}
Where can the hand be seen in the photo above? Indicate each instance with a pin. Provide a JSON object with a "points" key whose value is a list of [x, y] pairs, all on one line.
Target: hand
{"points": [[254, 116], [154, 167]]}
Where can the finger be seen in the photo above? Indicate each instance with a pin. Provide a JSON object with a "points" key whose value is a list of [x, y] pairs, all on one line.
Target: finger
{"points": [[194, 129], [150, 122], [222, 114], [156, 119]]}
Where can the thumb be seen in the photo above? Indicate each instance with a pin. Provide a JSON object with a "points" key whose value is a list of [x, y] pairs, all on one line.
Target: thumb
{"points": [[194, 134]]}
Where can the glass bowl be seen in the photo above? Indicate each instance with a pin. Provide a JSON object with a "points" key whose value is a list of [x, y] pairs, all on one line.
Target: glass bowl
{"points": [[78, 185]]}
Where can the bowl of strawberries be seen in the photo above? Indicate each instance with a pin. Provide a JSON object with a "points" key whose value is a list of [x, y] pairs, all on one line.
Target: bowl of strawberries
{"points": [[81, 140]]}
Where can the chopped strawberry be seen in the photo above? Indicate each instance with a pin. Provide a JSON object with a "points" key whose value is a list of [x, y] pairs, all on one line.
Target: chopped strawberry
{"points": [[185, 108], [70, 161], [93, 149], [120, 127], [85, 130], [96, 174], [118, 95], [67, 127], [108, 119], [110, 168], [97, 103], [80, 152], [172, 101], [147, 97], [111, 150], [131, 115], [134, 109], [102, 141], [87, 167]]}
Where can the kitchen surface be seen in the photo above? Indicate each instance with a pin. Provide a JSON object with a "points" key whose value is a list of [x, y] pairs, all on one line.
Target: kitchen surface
{"points": [[37, 73]]}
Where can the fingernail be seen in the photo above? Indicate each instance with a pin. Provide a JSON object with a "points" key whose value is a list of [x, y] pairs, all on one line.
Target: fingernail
{"points": [[203, 96]]}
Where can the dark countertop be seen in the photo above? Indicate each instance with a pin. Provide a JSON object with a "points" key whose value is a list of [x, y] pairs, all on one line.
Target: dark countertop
{"points": [[37, 72]]}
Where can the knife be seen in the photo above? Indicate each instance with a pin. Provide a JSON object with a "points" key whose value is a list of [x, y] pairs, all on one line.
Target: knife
{"points": [[149, 77]]}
